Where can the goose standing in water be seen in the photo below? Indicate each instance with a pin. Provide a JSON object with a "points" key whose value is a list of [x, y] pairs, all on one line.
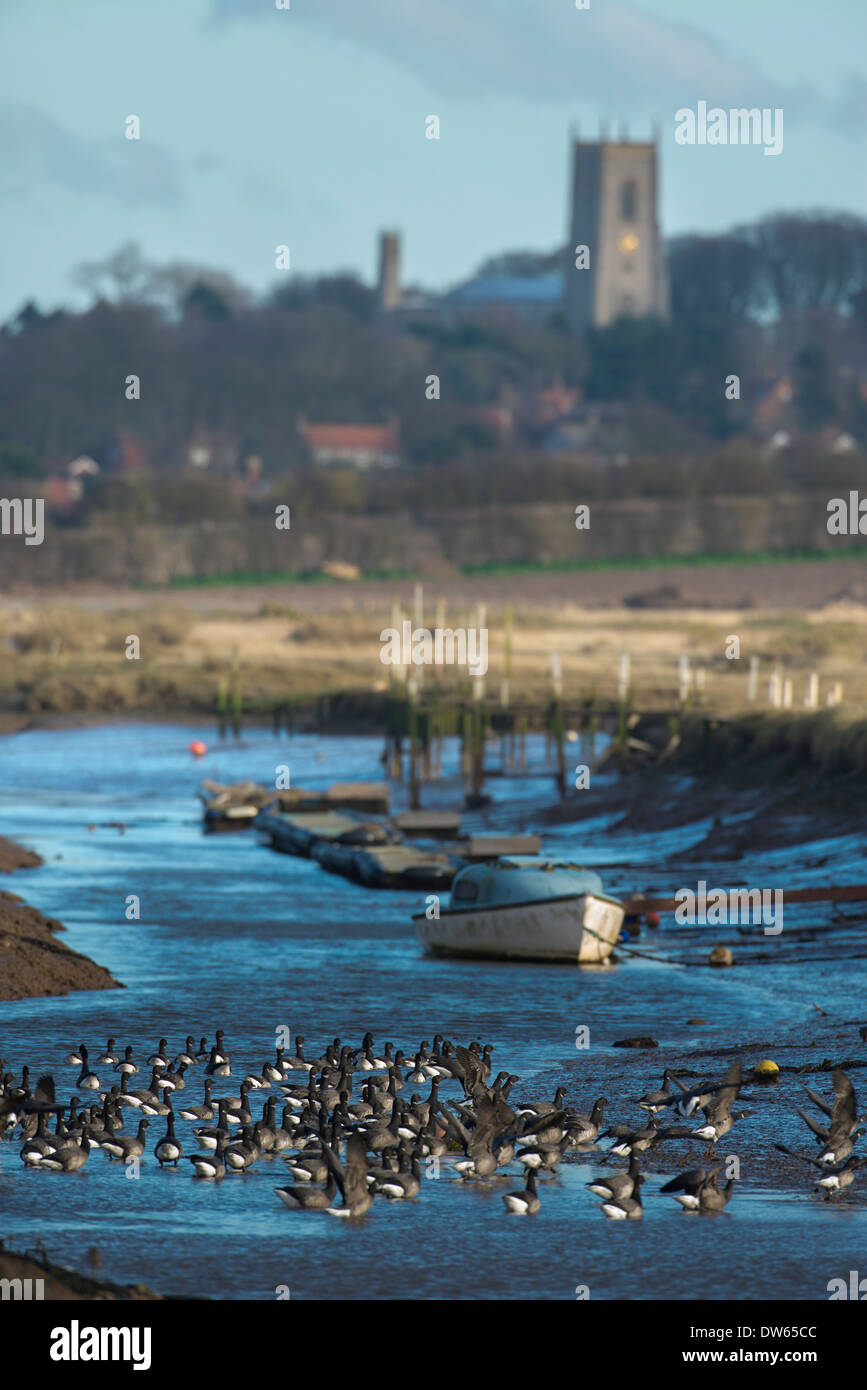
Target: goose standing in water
{"points": [[626, 1208], [201, 1112], [169, 1148], [187, 1058], [654, 1101], [217, 1064], [87, 1079], [109, 1057], [613, 1185], [243, 1152], [68, 1159], [127, 1145], [210, 1165], [127, 1066], [38, 1146], [524, 1203], [159, 1059]]}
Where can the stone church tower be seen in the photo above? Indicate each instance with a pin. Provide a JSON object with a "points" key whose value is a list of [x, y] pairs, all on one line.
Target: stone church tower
{"points": [[614, 214]]}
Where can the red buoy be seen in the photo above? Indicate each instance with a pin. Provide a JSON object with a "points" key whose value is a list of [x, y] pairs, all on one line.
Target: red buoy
{"points": [[652, 919], [198, 748]]}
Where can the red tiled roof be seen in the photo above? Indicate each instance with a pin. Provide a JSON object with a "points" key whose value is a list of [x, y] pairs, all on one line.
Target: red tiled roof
{"points": [[377, 438]]}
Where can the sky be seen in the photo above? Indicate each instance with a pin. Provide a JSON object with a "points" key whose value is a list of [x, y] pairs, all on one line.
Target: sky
{"points": [[306, 126]]}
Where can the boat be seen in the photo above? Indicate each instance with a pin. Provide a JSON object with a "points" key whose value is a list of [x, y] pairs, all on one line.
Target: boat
{"points": [[236, 805], [306, 835], [404, 866], [523, 907]]}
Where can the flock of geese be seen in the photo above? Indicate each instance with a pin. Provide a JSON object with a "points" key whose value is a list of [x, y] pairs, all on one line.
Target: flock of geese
{"points": [[374, 1146]]}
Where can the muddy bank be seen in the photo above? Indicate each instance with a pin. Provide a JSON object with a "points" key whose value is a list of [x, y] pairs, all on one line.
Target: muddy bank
{"points": [[67, 1285], [32, 961], [765, 781], [14, 856]]}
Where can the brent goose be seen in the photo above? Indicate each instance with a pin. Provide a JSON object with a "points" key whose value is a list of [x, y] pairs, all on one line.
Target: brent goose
{"points": [[159, 1059], [127, 1066], [310, 1198], [201, 1112], [615, 1185], [835, 1178], [109, 1057], [626, 1208], [524, 1203], [87, 1079], [127, 1145], [210, 1165], [351, 1178], [718, 1110], [169, 1148]]}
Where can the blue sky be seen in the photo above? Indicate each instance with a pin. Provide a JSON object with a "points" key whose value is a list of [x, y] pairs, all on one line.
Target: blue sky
{"points": [[306, 126]]}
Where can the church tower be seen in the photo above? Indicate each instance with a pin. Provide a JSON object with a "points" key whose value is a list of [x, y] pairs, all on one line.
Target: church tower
{"points": [[614, 214]]}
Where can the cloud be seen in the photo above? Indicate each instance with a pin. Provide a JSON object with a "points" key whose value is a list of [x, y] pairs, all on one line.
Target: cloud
{"points": [[39, 150], [621, 58]]}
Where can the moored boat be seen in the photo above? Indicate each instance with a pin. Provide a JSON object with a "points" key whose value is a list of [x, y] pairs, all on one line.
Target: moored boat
{"points": [[525, 908]]}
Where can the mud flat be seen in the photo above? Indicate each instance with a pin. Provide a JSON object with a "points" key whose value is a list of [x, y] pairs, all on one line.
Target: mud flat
{"points": [[33, 962]]}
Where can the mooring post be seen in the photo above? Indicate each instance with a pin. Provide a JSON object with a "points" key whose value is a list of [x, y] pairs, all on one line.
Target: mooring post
{"points": [[222, 706], [414, 802], [236, 702]]}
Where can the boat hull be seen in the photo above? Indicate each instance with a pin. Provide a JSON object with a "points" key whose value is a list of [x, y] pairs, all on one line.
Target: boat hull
{"points": [[582, 930]]}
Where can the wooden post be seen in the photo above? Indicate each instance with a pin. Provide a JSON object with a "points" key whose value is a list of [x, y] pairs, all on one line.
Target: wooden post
{"points": [[811, 699], [753, 680], [558, 730], [236, 694], [508, 622], [775, 688], [623, 678], [414, 801], [222, 706], [683, 678]]}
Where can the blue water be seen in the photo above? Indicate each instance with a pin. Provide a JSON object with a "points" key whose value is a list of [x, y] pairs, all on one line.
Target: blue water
{"points": [[232, 935]]}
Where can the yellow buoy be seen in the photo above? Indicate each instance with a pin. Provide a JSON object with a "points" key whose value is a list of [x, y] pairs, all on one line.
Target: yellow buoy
{"points": [[767, 1068]]}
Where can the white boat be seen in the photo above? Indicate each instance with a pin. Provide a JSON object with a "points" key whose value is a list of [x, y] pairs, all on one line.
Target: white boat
{"points": [[525, 908]]}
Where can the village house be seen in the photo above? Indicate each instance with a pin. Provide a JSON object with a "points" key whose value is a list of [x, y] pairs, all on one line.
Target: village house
{"points": [[358, 446]]}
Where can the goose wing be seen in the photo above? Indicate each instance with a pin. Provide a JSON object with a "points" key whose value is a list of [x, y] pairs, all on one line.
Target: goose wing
{"points": [[805, 1158], [817, 1100], [454, 1126], [813, 1124], [844, 1102], [691, 1181], [724, 1098], [472, 1067]]}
